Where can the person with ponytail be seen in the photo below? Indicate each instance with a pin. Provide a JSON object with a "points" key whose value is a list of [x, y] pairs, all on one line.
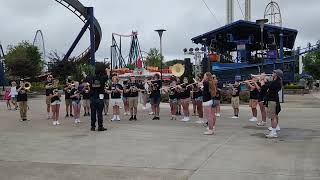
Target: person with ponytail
{"points": [[209, 92]]}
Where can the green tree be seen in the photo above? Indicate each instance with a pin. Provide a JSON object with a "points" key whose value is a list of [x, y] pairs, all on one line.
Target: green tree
{"points": [[153, 58], [61, 68], [312, 64], [23, 60]]}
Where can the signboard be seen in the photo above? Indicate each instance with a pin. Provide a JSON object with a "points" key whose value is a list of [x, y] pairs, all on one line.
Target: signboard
{"points": [[272, 54], [241, 47]]}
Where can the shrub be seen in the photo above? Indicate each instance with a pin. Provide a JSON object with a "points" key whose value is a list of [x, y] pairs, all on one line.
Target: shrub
{"points": [[245, 96], [37, 87], [293, 86]]}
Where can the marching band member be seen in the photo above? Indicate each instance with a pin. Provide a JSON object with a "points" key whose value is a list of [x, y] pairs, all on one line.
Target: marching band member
{"points": [[198, 96], [68, 100], [22, 99], [145, 94], [133, 91], [75, 95], [193, 101], [97, 89], [48, 86], [263, 88], [115, 90], [86, 99], [106, 98], [273, 104], [235, 100], [55, 100], [179, 99], [125, 98], [209, 91], [217, 98], [173, 99], [254, 96], [155, 96], [185, 99]]}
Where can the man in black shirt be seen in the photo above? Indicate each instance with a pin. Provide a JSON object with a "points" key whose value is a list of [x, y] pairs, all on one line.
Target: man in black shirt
{"points": [[22, 100], [97, 83], [134, 89], [273, 104], [155, 96]]}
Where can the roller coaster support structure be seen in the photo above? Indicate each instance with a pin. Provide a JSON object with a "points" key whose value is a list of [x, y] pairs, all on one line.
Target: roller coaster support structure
{"points": [[90, 24]]}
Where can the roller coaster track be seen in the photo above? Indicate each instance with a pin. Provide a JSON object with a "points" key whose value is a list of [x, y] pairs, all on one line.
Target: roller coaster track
{"points": [[80, 11]]}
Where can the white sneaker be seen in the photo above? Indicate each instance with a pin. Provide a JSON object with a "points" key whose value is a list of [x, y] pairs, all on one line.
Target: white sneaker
{"points": [[118, 118], [277, 128], [261, 123], [214, 128], [200, 121], [185, 119], [253, 119], [54, 123], [114, 118], [209, 132], [79, 121], [272, 135], [144, 107], [57, 122], [235, 117], [151, 113], [218, 115]]}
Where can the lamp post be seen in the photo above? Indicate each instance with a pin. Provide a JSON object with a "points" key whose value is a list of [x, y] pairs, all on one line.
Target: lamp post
{"points": [[197, 53], [262, 22], [160, 32]]}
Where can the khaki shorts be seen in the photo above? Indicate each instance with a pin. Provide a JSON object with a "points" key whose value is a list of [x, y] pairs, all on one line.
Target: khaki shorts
{"points": [[86, 102], [271, 110], [235, 102], [133, 102], [106, 102], [68, 102], [253, 103], [48, 100]]}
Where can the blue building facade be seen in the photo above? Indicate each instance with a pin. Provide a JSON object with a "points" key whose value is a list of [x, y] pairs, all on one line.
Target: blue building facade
{"points": [[246, 48]]}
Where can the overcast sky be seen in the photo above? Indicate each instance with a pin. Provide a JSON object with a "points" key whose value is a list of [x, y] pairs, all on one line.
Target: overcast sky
{"points": [[183, 19]]}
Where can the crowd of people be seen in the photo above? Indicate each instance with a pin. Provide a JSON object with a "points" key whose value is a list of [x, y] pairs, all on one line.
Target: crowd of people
{"points": [[96, 93]]}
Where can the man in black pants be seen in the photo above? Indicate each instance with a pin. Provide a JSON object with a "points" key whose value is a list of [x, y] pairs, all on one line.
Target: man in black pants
{"points": [[97, 83]]}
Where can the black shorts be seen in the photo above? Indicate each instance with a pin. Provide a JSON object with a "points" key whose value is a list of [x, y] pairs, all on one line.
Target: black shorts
{"points": [[155, 100]]}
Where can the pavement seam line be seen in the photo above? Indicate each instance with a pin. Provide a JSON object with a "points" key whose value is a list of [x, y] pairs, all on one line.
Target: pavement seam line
{"points": [[93, 165], [213, 153]]}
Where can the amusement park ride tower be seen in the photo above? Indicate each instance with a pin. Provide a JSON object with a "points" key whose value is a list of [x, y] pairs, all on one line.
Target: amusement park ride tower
{"points": [[230, 11]]}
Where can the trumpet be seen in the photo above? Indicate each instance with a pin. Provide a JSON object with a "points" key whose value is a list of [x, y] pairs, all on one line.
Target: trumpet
{"points": [[260, 75]]}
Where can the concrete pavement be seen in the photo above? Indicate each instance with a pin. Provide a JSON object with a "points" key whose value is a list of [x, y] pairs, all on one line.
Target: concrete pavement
{"points": [[162, 149]]}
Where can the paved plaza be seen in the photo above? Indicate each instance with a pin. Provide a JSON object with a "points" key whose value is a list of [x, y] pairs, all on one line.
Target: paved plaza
{"points": [[165, 149]]}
